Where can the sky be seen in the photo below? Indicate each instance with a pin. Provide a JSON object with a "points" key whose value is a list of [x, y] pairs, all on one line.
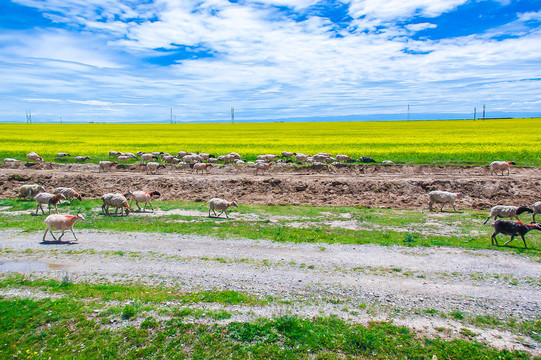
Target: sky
{"points": [[138, 61]]}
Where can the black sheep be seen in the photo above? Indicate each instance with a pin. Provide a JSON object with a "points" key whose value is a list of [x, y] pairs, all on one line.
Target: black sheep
{"points": [[512, 228]]}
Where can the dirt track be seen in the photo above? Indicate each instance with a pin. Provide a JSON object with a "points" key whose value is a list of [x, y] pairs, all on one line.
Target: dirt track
{"points": [[400, 187]]}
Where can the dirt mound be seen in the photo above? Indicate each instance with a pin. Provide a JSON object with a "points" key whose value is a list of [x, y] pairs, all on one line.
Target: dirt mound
{"points": [[403, 187]]}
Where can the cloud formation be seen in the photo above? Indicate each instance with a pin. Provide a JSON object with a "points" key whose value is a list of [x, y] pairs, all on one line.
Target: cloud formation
{"points": [[133, 61]]}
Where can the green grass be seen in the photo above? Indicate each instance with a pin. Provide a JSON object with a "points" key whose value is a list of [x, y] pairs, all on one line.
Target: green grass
{"points": [[92, 325], [301, 224]]}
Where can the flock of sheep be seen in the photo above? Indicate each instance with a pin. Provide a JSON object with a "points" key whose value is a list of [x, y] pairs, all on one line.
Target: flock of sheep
{"points": [[202, 162]]}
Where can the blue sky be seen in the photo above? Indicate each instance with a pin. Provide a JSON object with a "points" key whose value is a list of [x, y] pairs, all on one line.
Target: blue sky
{"points": [[116, 61]]}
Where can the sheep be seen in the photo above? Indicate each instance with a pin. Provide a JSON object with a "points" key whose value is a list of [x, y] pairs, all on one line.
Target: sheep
{"points": [[49, 199], [512, 228], [214, 160], [443, 197], [171, 159], [287, 154], [300, 158], [105, 165], [61, 222], [114, 153], [131, 155], [69, 193], [11, 160], [81, 158], [263, 167], [33, 156], [122, 158], [504, 211], [387, 162], [117, 201], [30, 190], [220, 204], [146, 157], [154, 167], [342, 158], [320, 157], [181, 154], [203, 167], [536, 210], [142, 196], [62, 154], [500, 165]]}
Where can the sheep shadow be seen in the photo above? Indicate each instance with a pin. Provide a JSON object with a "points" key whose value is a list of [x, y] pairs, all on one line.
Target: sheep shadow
{"points": [[59, 242]]}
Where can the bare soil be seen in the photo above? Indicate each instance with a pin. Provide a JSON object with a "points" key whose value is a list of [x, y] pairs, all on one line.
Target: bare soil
{"points": [[416, 287], [402, 187]]}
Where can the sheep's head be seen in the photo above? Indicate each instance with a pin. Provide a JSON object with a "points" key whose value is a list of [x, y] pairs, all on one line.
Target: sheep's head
{"points": [[235, 204], [511, 163], [79, 197], [80, 217], [459, 195], [155, 193]]}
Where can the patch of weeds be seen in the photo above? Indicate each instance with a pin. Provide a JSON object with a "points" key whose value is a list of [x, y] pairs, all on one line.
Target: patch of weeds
{"points": [[129, 312], [457, 315], [149, 323], [409, 238], [468, 333]]}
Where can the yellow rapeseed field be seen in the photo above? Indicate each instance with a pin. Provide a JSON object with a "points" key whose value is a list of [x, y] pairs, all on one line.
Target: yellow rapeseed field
{"points": [[461, 141]]}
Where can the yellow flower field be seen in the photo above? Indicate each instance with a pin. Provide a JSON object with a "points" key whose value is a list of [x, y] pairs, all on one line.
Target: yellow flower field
{"points": [[461, 141]]}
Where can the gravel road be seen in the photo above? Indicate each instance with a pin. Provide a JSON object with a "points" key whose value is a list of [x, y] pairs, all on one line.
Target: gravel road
{"points": [[357, 282]]}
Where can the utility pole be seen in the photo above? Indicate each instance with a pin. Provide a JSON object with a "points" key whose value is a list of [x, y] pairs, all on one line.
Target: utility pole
{"points": [[171, 115], [61, 120], [28, 117], [484, 108], [474, 113], [408, 111], [232, 115]]}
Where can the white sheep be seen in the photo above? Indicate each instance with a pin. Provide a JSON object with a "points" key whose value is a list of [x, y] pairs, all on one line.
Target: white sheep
{"points": [[62, 154], [68, 193], [114, 153], [287, 154], [117, 201], [124, 158], [153, 167], [146, 157], [320, 157], [49, 199], [214, 160], [536, 207], [505, 211], [82, 159], [342, 158], [300, 158], [106, 165], [262, 167], [143, 197], [11, 160], [443, 197], [220, 204], [203, 167], [33, 156], [387, 162], [61, 222], [30, 190], [171, 159], [500, 165]]}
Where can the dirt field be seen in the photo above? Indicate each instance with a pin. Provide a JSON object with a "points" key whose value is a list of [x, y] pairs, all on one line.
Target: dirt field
{"points": [[402, 187]]}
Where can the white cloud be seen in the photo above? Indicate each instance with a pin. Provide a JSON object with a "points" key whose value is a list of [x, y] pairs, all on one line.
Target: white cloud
{"points": [[401, 9], [420, 26]]}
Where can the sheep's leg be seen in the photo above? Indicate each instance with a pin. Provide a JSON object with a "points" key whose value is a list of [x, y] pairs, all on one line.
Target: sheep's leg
{"points": [[441, 210], [524, 241], [226, 214], [494, 240], [486, 220], [37, 209], [74, 234], [512, 237], [430, 205], [220, 214], [454, 207], [45, 234], [533, 217], [54, 237], [60, 238], [137, 204]]}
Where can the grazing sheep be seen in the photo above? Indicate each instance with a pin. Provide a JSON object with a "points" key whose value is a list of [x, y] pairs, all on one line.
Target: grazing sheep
{"points": [[11, 160], [343, 158], [82, 159], [536, 210], [181, 154], [171, 159], [366, 159], [320, 157], [124, 158], [61, 222], [154, 167], [117, 201], [68, 193], [33, 156], [106, 165], [287, 154], [49, 199], [62, 154], [203, 167], [147, 157], [387, 162], [214, 160], [443, 197], [132, 155], [500, 165], [262, 167], [512, 228], [505, 211], [30, 190], [300, 158], [114, 153], [142, 196], [220, 204]]}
